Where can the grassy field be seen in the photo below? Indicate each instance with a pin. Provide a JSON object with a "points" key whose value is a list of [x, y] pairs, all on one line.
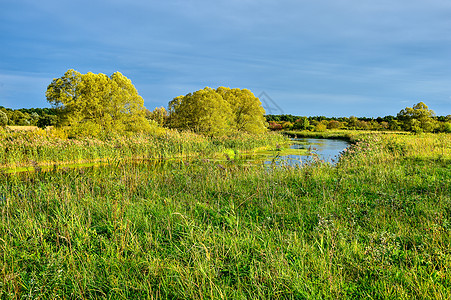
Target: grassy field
{"points": [[377, 225]]}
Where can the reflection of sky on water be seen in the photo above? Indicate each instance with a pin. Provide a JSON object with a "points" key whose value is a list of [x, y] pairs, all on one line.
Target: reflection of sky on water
{"points": [[322, 149]]}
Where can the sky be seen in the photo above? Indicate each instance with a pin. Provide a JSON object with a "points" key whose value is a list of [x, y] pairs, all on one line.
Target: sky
{"points": [[334, 58]]}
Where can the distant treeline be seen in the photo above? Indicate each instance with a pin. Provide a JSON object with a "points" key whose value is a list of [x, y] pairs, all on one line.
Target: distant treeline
{"points": [[292, 118], [419, 118], [40, 117]]}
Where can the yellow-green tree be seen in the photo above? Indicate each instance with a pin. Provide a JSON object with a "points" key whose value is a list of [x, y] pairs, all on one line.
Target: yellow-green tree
{"points": [[159, 115], [418, 118], [219, 111], [91, 103], [203, 111], [247, 109]]}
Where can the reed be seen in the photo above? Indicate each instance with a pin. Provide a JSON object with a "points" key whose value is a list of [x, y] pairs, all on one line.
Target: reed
{"points": [[48, 148]]}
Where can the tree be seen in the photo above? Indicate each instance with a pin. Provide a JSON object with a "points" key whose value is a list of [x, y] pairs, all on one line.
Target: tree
{"points": [[418, 118], [333, 124], [352, 122], [46, 120], [34, 117], [159, 115], [394, 125], [219, 111], [274, 126], [91, 103], [19, 118], [203, 111], [321, 126], [249, 115], [3, 119], [302, 123]]}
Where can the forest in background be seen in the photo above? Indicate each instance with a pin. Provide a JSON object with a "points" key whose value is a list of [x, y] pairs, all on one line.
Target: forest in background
{"points": [[43, 117], [97, 104]]}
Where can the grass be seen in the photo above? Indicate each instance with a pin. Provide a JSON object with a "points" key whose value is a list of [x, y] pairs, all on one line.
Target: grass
{"points": [[46, 148], [22, 128], [350, 135], [377, 226]]}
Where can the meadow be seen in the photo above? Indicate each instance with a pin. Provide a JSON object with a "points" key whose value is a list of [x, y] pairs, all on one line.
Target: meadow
{"points": [[376, 225]]}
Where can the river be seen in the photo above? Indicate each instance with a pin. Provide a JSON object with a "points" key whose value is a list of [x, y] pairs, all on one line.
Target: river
{"points": [[327, 150]]}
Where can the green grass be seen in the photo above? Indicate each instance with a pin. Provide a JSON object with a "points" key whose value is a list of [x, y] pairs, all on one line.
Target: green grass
{"points": [[45, 149], [375, 226], [350, 135]]}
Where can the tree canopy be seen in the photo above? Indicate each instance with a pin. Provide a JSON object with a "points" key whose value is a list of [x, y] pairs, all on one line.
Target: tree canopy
{"points": [[3, 119], [418, 118], [91, 103], [248, 113], [219, 111]]}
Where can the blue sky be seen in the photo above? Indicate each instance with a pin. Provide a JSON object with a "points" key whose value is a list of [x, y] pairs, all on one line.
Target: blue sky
{"points": [[324, 57]]}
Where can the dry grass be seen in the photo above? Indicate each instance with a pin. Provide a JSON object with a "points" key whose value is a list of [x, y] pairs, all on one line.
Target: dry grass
{"points": [[22, 128]]}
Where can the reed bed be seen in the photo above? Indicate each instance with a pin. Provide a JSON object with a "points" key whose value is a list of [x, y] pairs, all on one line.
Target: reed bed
{"points": [[377, 225], [41, 147]]}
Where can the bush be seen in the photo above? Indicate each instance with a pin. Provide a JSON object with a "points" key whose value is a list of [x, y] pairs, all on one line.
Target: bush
{"points": [[321, 127], [334, 124], [275, 126]]}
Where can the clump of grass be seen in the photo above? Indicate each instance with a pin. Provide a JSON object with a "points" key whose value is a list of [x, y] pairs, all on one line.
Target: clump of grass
{"points": [[375, 226]]}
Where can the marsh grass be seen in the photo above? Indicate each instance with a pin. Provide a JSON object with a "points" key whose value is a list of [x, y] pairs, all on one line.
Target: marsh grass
{"points": [[25, 149], [375, 226]]}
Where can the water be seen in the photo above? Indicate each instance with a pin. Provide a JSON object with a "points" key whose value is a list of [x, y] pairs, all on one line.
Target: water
{"points": [[320, 149], [326, 150]]}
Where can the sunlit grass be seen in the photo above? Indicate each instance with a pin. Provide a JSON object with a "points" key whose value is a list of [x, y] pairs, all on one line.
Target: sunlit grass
{"points": [[22, 128], [375, 226], [48, 148]]}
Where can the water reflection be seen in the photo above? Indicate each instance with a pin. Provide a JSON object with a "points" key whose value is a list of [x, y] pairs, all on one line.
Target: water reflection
{"points": [[320, 149]]}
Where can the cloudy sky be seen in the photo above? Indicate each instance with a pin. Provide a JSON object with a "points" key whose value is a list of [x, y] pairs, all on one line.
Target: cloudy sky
{"points": [[323, 57]]}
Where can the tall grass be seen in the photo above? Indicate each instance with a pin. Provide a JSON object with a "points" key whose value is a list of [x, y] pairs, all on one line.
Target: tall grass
{"points": [[40, 147], [375, 226], [350, 135]]}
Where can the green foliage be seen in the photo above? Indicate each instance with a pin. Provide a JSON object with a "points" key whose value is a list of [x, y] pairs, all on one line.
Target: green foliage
{"points": [[203, 111], [247, 109], [217, 112], [287, 125], [94, 103], [321, 126], [159, 115], [447, 127], [333, 124], [301, 124], [17, 117], [3, 119], [46, 120], [418, 118]]}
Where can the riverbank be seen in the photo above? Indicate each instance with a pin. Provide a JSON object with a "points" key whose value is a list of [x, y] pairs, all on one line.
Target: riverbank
{"points": [[26, 150], [347, 135], [377, 225]]}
